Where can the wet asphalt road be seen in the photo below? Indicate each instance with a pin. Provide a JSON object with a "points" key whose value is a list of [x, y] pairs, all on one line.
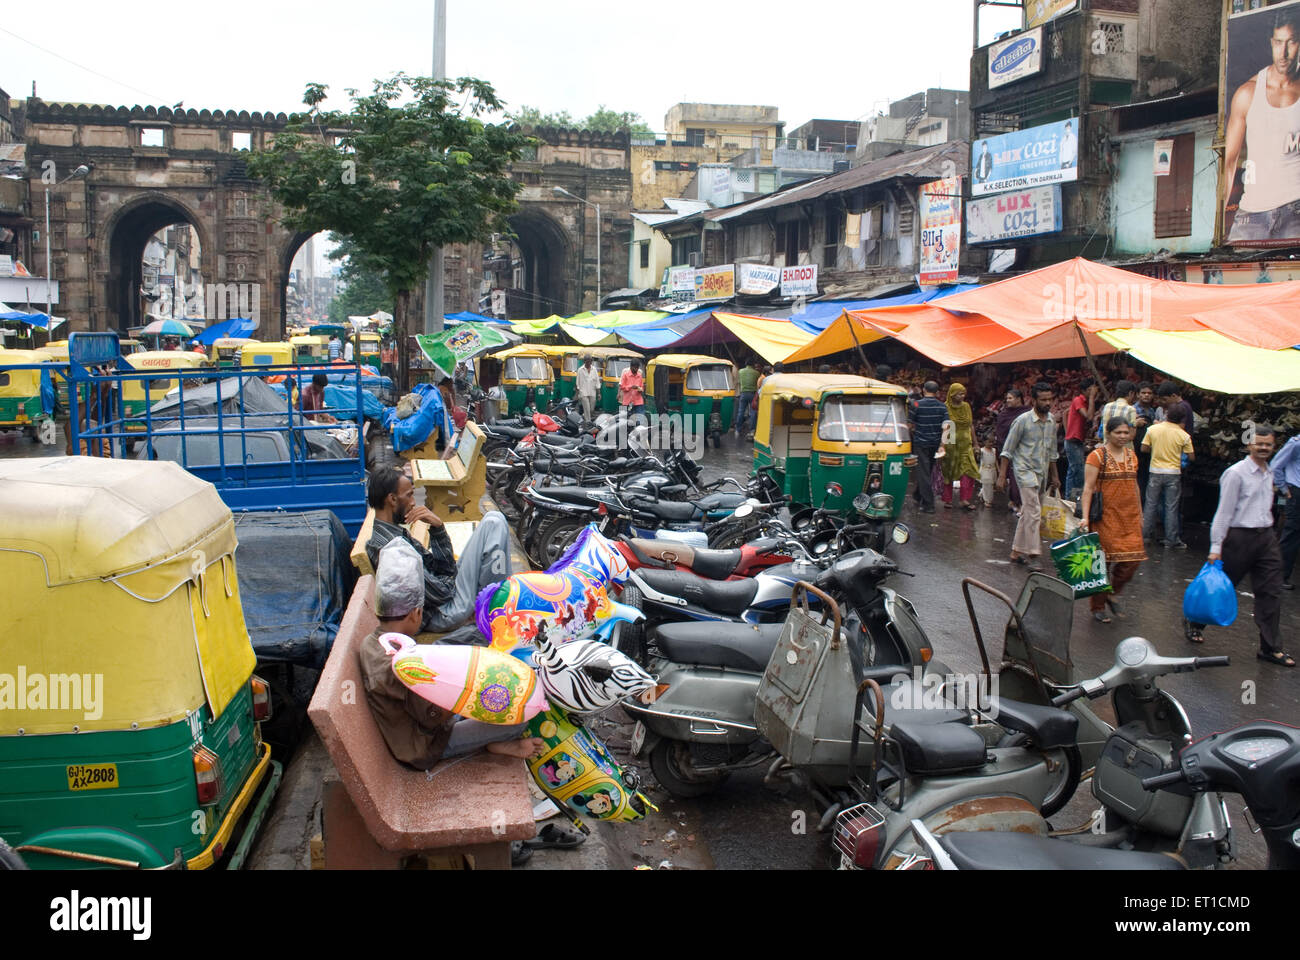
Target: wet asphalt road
{"points": [[746, 825]]}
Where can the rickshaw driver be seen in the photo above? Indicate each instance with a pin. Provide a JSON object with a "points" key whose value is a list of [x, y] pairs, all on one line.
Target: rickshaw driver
{"points": [[450, 588], [631, 387]]}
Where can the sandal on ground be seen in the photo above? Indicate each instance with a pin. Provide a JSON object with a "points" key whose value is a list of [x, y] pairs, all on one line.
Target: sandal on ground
{"points": [[1101, 616], [519, 853], [1278, 657], [947, 505], [1034, 563], [1194, 636], [1020, 560], [968, 505], [555, 836], [1115, 608]]}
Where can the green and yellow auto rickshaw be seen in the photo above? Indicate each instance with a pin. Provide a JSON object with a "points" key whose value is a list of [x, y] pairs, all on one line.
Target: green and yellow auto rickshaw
{"points": [[370, 347], [309, 348], [564, 361], [225, 351], [526, 378], [140, 394], [822, 429], [701, 389], [129, 713], [612, 361], [27, 396]]}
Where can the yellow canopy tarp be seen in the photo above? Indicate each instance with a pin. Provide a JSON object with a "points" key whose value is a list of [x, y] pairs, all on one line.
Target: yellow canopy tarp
{"points": [[772, 339], [1211, 361]]}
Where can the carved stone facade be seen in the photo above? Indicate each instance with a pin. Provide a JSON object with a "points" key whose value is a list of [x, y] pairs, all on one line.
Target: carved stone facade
{"points": [[152, 167]]}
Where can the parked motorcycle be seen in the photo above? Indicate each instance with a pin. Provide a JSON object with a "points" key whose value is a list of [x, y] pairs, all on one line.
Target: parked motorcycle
{"points": [[703, 720], [994, 775]]}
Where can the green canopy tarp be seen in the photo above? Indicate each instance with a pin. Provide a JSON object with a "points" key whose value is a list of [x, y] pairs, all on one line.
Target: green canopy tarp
{"points": [[458, 344]]}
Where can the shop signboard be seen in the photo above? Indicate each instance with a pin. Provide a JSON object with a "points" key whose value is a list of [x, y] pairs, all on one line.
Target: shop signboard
{"points": [[715, 283], [1014, 59], [799, 281], [757, 278], [1026, 158], [940, 202], [1021, 213], [681, 279], [1038, 12], [1260, 192]]}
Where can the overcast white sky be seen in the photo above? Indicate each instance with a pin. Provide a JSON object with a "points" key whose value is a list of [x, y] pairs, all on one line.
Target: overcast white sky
{"points": [[811, 59]]}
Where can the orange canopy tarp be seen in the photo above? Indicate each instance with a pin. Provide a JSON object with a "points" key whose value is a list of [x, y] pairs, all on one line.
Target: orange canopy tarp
{"points": [[1036, 316]]}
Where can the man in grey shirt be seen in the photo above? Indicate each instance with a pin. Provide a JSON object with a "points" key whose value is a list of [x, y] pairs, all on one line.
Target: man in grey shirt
{"points": [[1030, 451], [1242, 536]]}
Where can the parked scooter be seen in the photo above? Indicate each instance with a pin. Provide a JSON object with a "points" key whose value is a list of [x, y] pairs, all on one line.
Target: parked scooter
{"points": [[703, 720], [994, 776]]}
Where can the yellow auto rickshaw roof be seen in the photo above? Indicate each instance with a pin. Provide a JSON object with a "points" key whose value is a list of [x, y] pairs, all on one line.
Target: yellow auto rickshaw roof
{"points": [[521, 350], [316, 338], [606, 353], [798, 385], [24, 356], [166, 359], [232, 341], [370, 336], [98, 518], [687, 360], [558, 349]]}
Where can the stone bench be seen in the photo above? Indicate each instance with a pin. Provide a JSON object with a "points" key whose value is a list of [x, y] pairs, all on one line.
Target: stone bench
{"points": [[379, 813]]}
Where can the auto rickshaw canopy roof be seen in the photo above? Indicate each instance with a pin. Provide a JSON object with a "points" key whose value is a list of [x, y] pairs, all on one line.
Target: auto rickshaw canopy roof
{"points": [[166, 359], [99, 518], [16, 356], [228, 342], [268, 349], [684, 361], [797, 386], [126, 572], [521, 350]]}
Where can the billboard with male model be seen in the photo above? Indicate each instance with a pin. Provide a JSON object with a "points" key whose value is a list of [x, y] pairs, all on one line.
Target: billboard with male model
{"points": [[1261, 185]]}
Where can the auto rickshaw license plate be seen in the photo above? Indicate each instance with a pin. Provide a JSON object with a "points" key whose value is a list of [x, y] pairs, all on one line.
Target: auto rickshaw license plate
{"points": [[92, 776], [877, 455]]}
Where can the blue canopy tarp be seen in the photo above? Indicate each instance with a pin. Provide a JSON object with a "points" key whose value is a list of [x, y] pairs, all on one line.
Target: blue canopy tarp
{"points": [[663, 332], [816, 317], [466, 317], [234, 327], [419, 426]]}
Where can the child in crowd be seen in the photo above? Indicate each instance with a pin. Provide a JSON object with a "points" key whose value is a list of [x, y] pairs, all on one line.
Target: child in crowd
{"points": [[988, 469]]}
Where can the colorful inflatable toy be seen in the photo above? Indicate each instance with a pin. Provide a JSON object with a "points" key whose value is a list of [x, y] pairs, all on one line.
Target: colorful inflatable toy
{"points": [[570, 598], [473, 682], [579, 773], [586, 676]]}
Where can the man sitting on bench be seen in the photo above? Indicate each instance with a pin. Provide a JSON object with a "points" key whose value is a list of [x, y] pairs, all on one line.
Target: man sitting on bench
{"points": [[419, 733], [450, 588]]}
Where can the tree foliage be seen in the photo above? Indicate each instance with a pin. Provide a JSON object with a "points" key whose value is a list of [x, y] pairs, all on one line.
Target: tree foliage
{"points": [[603, 120], [365, 288], [411, 166]]}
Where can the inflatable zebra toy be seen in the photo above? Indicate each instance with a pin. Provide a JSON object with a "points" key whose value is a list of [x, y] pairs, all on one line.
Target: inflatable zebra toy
{"points": [[586, 676]]}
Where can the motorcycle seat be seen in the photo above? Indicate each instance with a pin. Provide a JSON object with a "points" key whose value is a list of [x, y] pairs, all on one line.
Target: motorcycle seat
{"points": [[740, 646], [1049, 727], [721, 501], [990, 850], [722, 596], [907, 700], [932, 748], [581, 495], [670, 511], [714, 564], [505, 430]]}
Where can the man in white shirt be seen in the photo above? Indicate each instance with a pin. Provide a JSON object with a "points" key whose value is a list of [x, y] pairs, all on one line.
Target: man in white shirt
{"points": [[1242, 536], [588, 387], [347, 351]]}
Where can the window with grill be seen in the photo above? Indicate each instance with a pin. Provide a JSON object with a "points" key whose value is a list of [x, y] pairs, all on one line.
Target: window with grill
{"points": [[1173, 214], [694, 137], [645, 254], [1112, 36]]}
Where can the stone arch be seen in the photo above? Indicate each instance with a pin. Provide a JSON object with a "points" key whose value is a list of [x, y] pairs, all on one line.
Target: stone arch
{"points": [[284, 260], [128, 231], [547, 249]]}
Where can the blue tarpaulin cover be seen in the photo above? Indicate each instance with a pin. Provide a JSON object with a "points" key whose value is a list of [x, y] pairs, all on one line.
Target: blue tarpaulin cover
{"points": [[417, 428], [816, 317], [234, 327], [294, 582]]}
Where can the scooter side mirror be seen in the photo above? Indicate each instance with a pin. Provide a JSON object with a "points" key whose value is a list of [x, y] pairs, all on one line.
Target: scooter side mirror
{"points": [[744, 510], [902, 533]]}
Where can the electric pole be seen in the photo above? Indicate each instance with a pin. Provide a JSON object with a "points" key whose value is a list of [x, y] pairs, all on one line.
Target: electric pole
{"points": [[434, 306]]}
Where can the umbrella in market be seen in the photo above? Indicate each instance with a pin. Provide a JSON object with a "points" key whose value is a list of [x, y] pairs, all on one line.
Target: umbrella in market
{"points": [[461, 343], [168, 328]]}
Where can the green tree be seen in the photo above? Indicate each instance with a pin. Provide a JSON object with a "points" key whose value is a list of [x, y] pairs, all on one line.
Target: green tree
{"points": [[408, 168], [603, 120], [365, 288]]}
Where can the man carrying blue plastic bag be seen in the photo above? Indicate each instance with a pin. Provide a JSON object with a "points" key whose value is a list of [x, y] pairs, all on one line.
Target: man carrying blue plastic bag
{"points": [[1242, 536]]}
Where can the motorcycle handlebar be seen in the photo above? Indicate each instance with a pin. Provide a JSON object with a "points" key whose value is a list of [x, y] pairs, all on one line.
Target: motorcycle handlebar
{"points": [[1070, 695], [1212, 662], [1163, 779]]}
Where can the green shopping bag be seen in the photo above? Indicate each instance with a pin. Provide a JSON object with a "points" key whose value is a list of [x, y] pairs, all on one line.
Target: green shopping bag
{"points": [[1081, 562]]}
